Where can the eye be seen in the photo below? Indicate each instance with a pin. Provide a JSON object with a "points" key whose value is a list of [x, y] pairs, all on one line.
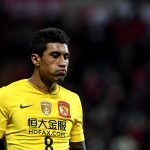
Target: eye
{"points": [[66, 56], [55, 54]]}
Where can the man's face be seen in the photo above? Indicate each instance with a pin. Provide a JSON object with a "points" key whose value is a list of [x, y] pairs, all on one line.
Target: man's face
{"points": [[54, 62]]}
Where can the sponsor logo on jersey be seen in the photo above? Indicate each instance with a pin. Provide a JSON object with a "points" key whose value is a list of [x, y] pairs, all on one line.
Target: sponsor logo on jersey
{"points": [[64, 109], [46, 107]]}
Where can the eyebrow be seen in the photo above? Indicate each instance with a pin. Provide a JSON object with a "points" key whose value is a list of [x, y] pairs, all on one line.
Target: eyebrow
{"points": [[57, 51]]}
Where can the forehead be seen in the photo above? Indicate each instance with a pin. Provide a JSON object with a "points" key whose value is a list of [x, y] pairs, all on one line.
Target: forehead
{"points": [[57, 47]]}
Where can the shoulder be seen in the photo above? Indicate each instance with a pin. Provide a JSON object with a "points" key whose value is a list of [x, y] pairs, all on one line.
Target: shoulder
{"points": [[13, 87], [14, 84], [8, 93], [68, 92], [69, 96]]}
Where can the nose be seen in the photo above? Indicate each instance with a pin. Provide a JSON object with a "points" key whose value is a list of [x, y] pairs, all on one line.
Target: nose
{"points": [[62, 61]]}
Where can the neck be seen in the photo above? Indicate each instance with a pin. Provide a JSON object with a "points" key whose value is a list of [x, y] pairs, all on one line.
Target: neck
{"points": [[46, 88]]}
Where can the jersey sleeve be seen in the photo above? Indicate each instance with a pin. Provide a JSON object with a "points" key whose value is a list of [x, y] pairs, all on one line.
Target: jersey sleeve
{"points": [[3, 113], [77, 134]]}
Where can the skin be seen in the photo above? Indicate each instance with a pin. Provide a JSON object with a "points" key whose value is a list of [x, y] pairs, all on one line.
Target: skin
{"points": [[77, 146], [51, 68]]}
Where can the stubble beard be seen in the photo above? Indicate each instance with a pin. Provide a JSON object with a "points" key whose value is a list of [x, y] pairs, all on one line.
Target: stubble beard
{"points": [[61, 79]]}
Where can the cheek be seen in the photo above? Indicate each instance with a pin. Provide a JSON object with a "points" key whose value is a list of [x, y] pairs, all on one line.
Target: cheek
{"points": [[45, 68], [45, 65], [67, 63]]}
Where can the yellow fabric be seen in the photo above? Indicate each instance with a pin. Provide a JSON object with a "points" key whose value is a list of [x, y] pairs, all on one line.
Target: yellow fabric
{"points": [[33, 120]]}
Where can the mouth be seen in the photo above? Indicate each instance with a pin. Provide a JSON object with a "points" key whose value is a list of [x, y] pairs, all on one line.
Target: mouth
{"points": [[61, 72]]}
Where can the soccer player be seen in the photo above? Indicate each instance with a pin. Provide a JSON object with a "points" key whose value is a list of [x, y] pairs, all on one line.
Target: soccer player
{"points": [[38, 113]]}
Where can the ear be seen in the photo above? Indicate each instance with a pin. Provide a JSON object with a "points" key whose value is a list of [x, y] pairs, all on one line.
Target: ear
{"points": [[35, 59]]}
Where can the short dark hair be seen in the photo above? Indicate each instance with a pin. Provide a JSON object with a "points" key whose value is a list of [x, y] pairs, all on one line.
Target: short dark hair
{"points": [[47, 35]]}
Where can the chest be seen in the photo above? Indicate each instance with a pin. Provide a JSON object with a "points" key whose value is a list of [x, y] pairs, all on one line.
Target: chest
{"points": [[40, 112]]}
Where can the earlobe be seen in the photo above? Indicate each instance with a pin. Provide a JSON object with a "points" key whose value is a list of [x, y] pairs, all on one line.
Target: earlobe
{"points": [[35, 59]]}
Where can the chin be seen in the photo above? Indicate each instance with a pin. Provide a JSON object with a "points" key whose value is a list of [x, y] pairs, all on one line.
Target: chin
{"points": [[60, 80]]}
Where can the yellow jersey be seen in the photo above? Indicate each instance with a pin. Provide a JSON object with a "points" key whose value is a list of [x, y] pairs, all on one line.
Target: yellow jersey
{"points": [[31, 119]]}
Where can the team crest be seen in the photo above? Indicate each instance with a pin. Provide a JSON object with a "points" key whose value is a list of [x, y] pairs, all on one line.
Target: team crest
{"points": [[46, 107], [64, 109]]}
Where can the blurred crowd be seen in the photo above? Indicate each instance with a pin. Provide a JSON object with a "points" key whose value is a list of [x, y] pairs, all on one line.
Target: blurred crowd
{"points": [[109, 64]]}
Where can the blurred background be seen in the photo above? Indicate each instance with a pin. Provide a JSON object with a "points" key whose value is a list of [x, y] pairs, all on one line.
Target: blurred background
{"points": [[109, 65]]}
